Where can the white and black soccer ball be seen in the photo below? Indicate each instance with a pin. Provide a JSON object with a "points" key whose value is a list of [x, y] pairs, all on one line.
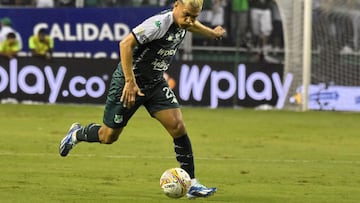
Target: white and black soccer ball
{"points": [[175, 182]]}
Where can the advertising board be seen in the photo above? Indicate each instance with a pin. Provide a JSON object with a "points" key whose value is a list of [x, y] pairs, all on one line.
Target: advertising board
{"points": [[65, 80]]}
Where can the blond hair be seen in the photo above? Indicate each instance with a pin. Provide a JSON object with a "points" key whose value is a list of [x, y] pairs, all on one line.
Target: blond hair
{"points": [[193, 3]]}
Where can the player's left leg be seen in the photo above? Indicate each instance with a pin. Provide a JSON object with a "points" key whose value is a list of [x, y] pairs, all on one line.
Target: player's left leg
{"points": [[172, 120], [89, 133], [115, 118]]}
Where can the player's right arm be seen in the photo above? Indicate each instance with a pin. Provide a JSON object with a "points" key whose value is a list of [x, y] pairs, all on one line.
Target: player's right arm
{"points": [[145, 32], [131, 89]]}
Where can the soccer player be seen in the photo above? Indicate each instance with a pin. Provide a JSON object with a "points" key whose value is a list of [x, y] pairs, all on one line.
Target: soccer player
{"points": [[138, 80]]}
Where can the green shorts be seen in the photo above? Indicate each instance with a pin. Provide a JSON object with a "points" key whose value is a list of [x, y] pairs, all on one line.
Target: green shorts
{"points": [[157, 97]]}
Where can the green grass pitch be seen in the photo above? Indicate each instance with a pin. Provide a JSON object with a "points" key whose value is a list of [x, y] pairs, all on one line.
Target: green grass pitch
{"points": [[251, 156]]}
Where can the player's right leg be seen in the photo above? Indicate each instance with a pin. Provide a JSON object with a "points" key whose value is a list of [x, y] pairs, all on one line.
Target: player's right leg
{"points": [[165, 108], [171, 119], [198, 190]]}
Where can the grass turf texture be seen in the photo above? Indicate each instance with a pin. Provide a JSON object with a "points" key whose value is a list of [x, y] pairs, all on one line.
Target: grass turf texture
{"points": [[251, 156]]}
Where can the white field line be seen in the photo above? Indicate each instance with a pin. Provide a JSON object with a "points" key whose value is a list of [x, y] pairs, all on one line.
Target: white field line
{"points": [[296, 161]]}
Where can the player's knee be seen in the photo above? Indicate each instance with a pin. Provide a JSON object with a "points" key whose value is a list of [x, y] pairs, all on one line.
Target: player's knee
{"points": [[109, 137], [177, 129], [109, 140]]}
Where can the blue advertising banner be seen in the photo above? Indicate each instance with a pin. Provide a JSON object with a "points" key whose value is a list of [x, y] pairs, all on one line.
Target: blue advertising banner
{"points": [[90, 32], [330, 97]]}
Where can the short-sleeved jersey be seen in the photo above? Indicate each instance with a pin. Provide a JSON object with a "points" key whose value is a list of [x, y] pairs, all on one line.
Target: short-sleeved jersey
{"points": [[41, 47], [158, 38], [9, 48]]}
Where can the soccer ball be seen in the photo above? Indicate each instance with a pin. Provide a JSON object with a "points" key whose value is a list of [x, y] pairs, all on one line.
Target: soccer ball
{"points": [[175, 182]]}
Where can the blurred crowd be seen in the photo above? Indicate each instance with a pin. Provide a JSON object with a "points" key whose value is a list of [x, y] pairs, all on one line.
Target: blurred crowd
{"points": [[250, 24], [40, 44]]}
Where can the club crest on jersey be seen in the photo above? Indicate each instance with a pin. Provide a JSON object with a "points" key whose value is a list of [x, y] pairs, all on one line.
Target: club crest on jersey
{"points": [[118, 118], [157, 23]]}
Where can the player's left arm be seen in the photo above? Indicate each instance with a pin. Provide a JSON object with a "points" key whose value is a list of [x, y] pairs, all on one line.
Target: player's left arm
{"points": [[214, 33]]}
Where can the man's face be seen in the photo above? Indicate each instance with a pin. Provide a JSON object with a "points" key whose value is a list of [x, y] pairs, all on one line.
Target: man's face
{"points": [[42, 36], [184, 14], [11, 40]]}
